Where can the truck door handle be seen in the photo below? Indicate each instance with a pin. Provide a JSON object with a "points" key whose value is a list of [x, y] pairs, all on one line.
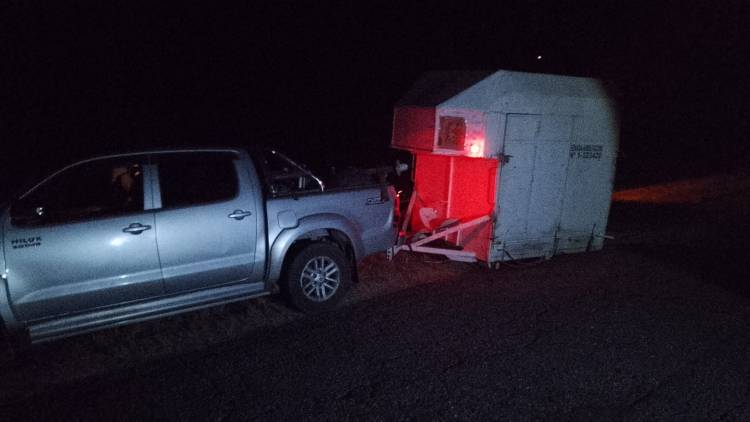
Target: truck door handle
{"points": [[239, 214], [136, 228]]}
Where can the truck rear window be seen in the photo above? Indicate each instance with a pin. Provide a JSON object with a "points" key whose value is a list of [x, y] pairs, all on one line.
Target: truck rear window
{"points": [[187, 179]]}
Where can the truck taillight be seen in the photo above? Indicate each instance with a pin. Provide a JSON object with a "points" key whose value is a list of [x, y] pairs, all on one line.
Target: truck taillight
{"points": [[396, 198]]}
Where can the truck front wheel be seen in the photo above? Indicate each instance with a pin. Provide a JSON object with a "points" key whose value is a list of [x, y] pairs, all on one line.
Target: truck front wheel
{"points": [[317, 277]]}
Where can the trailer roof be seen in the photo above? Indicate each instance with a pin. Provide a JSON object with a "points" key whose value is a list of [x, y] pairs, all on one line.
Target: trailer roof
{"points": [[436, 87]]}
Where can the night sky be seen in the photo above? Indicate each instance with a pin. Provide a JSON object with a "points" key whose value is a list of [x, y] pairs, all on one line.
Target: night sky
{"points": [[319, 80]]}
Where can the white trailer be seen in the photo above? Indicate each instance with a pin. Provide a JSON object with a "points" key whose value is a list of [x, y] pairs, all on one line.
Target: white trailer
{"points": [[508, 165]]}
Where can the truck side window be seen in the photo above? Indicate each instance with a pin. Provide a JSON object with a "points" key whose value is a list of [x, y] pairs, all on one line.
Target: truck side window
{"points": [[187, 179], [92, 189]]}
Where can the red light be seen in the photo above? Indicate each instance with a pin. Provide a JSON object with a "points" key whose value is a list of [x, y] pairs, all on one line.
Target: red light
{"points": [[476, 148]]}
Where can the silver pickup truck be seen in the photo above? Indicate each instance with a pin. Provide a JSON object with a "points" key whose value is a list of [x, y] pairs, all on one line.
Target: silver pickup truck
{"points": [[124, 238]]}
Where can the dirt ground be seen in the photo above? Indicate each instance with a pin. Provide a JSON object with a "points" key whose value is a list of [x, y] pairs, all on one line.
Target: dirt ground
{"points": [[656, 326]]}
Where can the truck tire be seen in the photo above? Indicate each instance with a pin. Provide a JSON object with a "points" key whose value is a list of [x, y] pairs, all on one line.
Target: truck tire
{"points": [[317, 277]]}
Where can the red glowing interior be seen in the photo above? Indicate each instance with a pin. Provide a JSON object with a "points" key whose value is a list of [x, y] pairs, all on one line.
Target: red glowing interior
{"points": [[455, 187]]}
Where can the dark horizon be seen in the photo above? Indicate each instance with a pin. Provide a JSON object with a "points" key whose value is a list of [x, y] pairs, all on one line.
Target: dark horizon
{"points": [[320, 82]]}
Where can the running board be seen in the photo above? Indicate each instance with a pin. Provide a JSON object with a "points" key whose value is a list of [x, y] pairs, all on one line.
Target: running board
{"points": [[142, 311]]}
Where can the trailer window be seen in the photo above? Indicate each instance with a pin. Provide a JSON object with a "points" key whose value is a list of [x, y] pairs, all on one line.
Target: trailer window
{"points": [[452, 132]]}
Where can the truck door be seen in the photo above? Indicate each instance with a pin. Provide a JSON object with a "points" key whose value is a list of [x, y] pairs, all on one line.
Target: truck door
{"points": [[83, 239], [532, 183], [206, 225]]}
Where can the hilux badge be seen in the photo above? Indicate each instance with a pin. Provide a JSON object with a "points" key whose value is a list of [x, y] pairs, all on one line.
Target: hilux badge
{"points": [[26, 242]]}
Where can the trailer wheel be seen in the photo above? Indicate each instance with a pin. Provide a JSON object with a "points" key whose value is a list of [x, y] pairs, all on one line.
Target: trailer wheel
{"points": [[317, 277]]}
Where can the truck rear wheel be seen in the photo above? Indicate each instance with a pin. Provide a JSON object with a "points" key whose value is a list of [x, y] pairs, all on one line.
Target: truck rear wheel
{"points": [[317, 277]]}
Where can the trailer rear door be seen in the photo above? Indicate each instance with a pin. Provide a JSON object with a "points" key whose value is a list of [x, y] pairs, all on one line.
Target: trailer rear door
{"points": [[532, 184]]}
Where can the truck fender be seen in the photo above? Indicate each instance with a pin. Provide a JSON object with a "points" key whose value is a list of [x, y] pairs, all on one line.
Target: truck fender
{"points": [[307, 225]]}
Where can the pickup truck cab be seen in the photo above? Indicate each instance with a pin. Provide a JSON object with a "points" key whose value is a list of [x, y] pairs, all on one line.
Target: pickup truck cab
{"points": [[123, 238]]}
